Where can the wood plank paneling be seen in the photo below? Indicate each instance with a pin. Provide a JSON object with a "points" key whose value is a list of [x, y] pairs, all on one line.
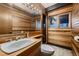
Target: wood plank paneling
{"points": [[75, 18], [13, 20], [75, 27], [5, 20], [61, 10], [61, 36], [20, 24], [7, 37], [75, 48]]}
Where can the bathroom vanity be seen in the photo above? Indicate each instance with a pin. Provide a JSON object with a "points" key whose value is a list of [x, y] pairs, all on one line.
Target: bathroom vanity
{"points": [[30, 50]]}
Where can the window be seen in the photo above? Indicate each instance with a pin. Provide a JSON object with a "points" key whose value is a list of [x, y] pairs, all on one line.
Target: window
{"points": [[59, 21], [64, 21], [53, 22]]}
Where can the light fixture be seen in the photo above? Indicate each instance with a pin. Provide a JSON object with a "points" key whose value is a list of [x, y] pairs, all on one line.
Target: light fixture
{"points": [[26, 5], [32, 7]]}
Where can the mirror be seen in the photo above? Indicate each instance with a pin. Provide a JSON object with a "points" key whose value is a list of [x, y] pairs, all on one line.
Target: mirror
{"points": [[38, 24]]}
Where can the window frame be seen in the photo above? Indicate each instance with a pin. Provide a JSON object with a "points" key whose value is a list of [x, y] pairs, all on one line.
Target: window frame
{"points": [[58, 21], [69, 24]]}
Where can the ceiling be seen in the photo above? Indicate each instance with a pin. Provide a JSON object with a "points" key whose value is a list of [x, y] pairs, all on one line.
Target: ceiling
{"points": [[32, 8], [29, 7], [47, 4]]}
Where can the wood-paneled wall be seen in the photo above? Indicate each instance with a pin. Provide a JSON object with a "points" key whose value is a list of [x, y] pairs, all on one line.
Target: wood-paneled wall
{"points": [[5, 21], [60, 36], [61, 10], [9, 37], [12, 19], [75, 27], [75, 18], [19, 23]]}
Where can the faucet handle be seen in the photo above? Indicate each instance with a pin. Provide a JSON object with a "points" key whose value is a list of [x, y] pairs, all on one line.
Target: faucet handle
{"points": [[18, 37], [8, 40]]}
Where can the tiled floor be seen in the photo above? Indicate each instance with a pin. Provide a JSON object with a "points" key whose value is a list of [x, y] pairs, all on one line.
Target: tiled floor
{"points": [[59, 51]]}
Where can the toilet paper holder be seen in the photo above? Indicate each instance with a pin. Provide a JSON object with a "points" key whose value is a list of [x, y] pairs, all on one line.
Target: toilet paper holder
{"points": [[76, 38]]}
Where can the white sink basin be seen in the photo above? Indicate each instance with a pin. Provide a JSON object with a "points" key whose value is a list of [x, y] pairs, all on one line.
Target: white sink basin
{"points": [[13, 46]]}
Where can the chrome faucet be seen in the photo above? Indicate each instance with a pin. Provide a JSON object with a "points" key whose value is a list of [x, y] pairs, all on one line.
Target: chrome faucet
{"points": [[8, 40]]}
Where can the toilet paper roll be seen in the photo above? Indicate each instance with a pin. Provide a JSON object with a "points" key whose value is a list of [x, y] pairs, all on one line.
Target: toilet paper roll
{"points": [[76, 38]]}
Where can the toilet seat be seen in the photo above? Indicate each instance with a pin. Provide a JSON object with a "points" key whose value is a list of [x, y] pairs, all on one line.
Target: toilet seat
{"points": [[46, 48]]}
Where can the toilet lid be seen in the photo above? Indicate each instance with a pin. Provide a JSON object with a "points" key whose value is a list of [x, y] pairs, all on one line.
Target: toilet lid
{"points": [[46, 47]]}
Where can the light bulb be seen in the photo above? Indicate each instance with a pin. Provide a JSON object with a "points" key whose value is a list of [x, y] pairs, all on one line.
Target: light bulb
{"points": [[31, 5]]}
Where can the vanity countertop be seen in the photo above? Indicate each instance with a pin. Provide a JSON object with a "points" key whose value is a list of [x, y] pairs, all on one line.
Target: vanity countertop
{"points": [[19, 51]]}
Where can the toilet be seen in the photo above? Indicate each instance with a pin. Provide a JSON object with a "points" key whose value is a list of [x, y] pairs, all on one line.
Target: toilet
{"points": [[46, 50]]}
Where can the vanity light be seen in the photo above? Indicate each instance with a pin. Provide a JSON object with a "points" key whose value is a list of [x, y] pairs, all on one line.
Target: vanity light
{"points": [[27, 4], [31, 6]]}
